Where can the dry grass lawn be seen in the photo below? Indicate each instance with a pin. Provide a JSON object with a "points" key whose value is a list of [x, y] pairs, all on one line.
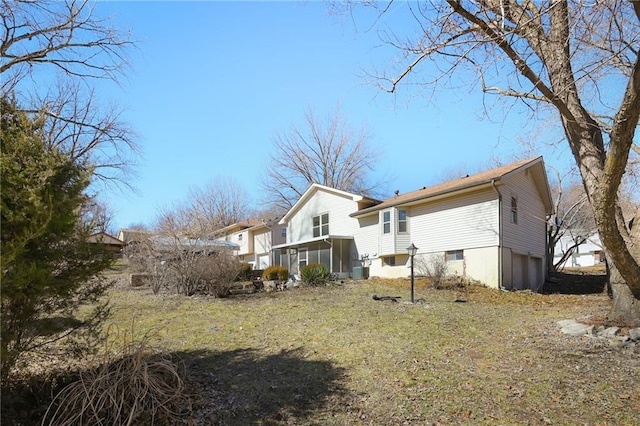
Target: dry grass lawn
{"points": [[336, 356]]}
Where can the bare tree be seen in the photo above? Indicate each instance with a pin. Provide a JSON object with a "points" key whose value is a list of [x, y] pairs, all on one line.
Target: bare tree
{"points": [[329, 153], [221, 202], [578, 59], [96, 216], [59, 47], [64, 35], [572, 223]]}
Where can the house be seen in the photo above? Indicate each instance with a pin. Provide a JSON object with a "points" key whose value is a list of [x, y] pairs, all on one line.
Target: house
{"points": [[490, 227], [131, 238], [255, 239], [588, 253], [111, 243], [319, 229]]}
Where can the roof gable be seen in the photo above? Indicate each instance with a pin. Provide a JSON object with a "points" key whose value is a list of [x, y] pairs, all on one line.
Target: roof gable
{"points": [[313, 189]]}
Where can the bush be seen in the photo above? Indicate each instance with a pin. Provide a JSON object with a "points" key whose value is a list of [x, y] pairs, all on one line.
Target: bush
{"points": [[275, 273], [315, 274], [245, 272], [435, 268]]}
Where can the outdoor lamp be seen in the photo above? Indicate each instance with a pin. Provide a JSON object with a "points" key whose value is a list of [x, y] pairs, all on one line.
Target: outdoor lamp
{"points": [[412, 250]]}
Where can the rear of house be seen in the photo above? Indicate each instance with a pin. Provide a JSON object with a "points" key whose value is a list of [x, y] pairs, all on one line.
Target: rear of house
{"points": [[489, 227]]}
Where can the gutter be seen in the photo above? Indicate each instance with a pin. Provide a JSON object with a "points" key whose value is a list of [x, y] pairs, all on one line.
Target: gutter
{"points": [[500, 248]]}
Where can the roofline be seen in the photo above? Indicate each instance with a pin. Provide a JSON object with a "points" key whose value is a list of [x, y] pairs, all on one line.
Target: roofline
{"points": [[307, 194], [432, 197], [445, 193]]}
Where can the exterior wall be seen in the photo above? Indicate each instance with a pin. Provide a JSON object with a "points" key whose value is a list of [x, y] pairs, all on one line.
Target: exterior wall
{"points": [[526, 239], [468, 223], [393, 242], [261, 247], [339, 208], [479, 264], [242, 238]]}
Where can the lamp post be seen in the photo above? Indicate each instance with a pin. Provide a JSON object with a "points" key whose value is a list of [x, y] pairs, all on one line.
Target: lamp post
{"points": [[412, 250]]}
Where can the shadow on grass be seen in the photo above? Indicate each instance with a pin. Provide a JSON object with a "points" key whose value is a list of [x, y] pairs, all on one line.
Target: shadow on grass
{"points": [[575, 282], [237, 387], [246, 387]]}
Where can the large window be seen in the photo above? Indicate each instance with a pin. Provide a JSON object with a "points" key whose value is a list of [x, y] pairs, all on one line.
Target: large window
{"points": [[402, 221], [514, 210], [321, 225], [386, 222]]}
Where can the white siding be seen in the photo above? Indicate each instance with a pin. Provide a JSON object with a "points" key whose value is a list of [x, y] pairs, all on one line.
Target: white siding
{"points": [[262, 241], [470, 221], [339, 208], [242, 239], [366, 238], [528, 236]]}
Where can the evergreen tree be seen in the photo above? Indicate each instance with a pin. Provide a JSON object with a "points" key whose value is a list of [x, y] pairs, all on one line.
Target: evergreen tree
{"points": [[48, 267]]}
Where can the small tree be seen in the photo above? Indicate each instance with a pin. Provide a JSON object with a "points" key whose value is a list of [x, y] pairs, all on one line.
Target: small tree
{"points": [[48, 267]]}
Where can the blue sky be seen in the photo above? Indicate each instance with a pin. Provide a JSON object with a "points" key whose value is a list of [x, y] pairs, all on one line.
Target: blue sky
{"points": [[212, 82]]}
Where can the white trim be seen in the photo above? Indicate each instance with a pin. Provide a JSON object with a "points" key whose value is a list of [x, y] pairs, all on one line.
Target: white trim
{"points": [[313, 240]]}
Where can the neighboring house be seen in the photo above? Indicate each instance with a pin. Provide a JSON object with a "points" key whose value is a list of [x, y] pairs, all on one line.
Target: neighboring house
{"points": [[490, 227], [589, 253], [131, 238], [255, 239], [111, 243], [321, 230]]}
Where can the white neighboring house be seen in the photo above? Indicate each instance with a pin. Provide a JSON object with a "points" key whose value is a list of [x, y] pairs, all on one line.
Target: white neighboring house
{"points": [[491, 227], [589, 253], [321, 230], [255, 239]]}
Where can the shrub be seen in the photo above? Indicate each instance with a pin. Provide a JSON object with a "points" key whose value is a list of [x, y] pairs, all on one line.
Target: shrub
{"points": [[315, 274], [435, 268], [245, 272], [275, 273]]}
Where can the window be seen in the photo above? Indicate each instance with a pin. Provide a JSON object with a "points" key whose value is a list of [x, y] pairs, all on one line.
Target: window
{"points": [[239, 237], [284, 233], [389, 260], [402, 221], [514, 210], [302, 258], [321, 225], [386, 222], [454, 255]]}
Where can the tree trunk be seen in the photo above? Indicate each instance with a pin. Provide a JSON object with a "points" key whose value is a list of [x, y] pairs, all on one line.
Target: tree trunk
{"points": [[625, 307]]}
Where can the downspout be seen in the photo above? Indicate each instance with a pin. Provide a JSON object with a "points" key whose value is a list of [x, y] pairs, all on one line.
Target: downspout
{"points": [[500, 251]]}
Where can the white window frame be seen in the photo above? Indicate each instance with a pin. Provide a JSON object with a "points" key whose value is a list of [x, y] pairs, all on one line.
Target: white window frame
{"points": [[386, 222], [404, 221], [322, 228], [302, 258]]}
